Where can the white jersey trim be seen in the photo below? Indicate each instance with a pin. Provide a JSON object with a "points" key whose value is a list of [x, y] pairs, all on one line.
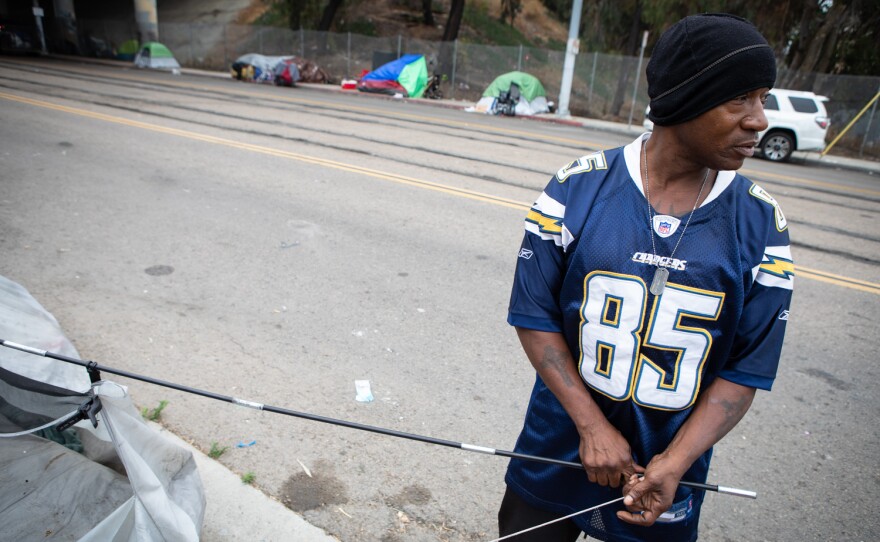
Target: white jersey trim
{"points": [[776, 269], [632, 154], [545, 206]]}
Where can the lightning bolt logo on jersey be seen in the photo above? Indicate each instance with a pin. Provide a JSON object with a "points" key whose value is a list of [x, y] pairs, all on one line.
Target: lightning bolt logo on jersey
{"points": [[644, 358]]}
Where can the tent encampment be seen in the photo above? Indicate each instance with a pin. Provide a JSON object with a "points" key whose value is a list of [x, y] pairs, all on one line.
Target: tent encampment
{"points": [[408, 76], [65, 479], [256, 68], [531, 100], [155, 55], [127, 50]]}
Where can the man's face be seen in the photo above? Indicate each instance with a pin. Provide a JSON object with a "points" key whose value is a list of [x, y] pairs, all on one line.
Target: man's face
{"points": [[723, 137]]}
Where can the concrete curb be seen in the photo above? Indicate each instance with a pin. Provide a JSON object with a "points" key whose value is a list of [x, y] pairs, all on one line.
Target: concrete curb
{"points": [[237, 511]]}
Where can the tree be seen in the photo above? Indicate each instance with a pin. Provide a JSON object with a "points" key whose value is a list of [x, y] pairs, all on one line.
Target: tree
{"points": [[428, 12], [295, 13], [328, 15], [510, 9], [632, 45], [453, 23]]}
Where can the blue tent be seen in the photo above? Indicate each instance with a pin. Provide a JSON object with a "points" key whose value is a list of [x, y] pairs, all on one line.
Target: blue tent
{"points": [[408, 75]]}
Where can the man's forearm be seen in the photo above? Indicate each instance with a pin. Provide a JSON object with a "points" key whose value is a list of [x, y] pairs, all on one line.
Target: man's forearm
{"points": [[718, 410], [552, 359]]}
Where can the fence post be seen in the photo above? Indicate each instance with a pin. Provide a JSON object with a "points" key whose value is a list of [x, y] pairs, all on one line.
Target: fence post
{"points": [[348, 56], [853, 121], [519, 61], [302, 42], [192, 58], [398, 45], [225, 48], [454, 57], [592, 81]]}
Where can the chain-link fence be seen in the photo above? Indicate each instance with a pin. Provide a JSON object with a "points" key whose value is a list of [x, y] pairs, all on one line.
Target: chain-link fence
{"points": [[604, 86]]}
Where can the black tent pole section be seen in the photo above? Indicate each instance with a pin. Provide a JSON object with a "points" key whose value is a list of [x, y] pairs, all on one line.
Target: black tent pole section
{"points": [[92, 366]]}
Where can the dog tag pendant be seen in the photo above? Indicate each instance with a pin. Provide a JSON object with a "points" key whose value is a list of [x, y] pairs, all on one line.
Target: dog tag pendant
{"points": [[659, 282]]}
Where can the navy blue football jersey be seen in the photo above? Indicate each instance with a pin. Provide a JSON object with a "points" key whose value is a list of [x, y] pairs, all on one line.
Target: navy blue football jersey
{"points": [[585, 268]]}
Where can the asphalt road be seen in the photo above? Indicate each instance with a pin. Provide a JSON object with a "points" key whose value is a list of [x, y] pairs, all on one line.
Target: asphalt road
{"points": [[278, 244]]}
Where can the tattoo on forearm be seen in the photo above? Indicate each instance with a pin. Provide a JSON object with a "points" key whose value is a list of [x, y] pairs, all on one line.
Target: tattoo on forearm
{"points": [[559, 361], [734, 410]]}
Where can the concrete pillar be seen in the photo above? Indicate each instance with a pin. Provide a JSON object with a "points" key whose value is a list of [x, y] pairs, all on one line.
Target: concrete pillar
{"points": [[65, 19], [147, 19]]}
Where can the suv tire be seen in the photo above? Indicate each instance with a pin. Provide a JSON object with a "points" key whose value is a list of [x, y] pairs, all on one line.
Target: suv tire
{"points": [[777, 146]]}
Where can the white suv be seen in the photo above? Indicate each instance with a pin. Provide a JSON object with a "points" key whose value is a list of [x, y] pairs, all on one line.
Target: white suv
{"points": [[797, 121]]}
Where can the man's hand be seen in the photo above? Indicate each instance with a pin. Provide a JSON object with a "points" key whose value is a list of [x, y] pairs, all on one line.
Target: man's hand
{"points": [[717, 411], [606, 455], [648, 496]]}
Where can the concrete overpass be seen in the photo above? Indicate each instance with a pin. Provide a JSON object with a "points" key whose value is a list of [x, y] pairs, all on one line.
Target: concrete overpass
{"points": [[56, 26]]}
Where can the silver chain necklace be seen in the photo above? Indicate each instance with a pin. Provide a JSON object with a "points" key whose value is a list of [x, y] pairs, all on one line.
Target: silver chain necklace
{"points": [[661, 274]]}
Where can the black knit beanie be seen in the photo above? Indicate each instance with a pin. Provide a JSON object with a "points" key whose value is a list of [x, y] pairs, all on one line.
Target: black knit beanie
{"points": [[703, 61]]}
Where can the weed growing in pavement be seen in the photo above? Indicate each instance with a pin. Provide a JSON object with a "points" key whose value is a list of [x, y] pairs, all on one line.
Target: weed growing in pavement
{"points": [[156, 413], [216, 450]]}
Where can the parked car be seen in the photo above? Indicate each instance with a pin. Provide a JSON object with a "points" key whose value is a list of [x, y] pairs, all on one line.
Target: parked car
{"points": [[797, 121]]}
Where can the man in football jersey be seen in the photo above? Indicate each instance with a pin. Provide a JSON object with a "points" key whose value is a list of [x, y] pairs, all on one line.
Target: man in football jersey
{"points": [[651, 295]]}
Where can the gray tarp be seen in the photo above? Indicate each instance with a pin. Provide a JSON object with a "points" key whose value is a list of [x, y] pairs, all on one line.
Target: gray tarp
{"points": [[129, 484]]}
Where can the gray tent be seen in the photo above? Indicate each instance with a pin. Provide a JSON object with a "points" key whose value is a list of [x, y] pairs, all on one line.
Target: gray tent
{"points": [[120, 480], [155, 55]]}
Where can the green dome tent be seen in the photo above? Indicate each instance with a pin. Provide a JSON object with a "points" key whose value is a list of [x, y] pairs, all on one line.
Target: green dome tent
{"points": [[532, 96], [155, 55], [529, 85]]}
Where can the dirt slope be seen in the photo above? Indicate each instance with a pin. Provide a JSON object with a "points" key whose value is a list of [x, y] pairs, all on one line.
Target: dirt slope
{"points": [[393, 17]]}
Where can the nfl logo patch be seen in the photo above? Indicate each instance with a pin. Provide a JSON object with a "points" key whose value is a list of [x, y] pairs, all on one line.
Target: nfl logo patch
{"points": [[663, 228]]}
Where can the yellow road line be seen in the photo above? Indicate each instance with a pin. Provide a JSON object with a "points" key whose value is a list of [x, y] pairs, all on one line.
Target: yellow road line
{"points": [[814, 274], [372, 110], [500, 130], [838, 280], [489, 198], [750, 173]]}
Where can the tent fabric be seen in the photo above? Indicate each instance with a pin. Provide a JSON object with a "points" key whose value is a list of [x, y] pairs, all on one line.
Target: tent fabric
{"points": [[45, 485], [529, 85], [287, 73], [155, 55], [281, 70], [532, 96], [128, 50], [145, 487], [256, 68], [408, 75]]}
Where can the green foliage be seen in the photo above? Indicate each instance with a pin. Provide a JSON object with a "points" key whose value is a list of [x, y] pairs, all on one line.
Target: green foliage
{"points": [[279, 13], [248, 478], [489, 29], [216, 450], [153, 415], [363, 27]]}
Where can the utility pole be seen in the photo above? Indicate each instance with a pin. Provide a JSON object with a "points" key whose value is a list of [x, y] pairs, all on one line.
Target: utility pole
{"points": [[571, 50], [632, 108]]}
